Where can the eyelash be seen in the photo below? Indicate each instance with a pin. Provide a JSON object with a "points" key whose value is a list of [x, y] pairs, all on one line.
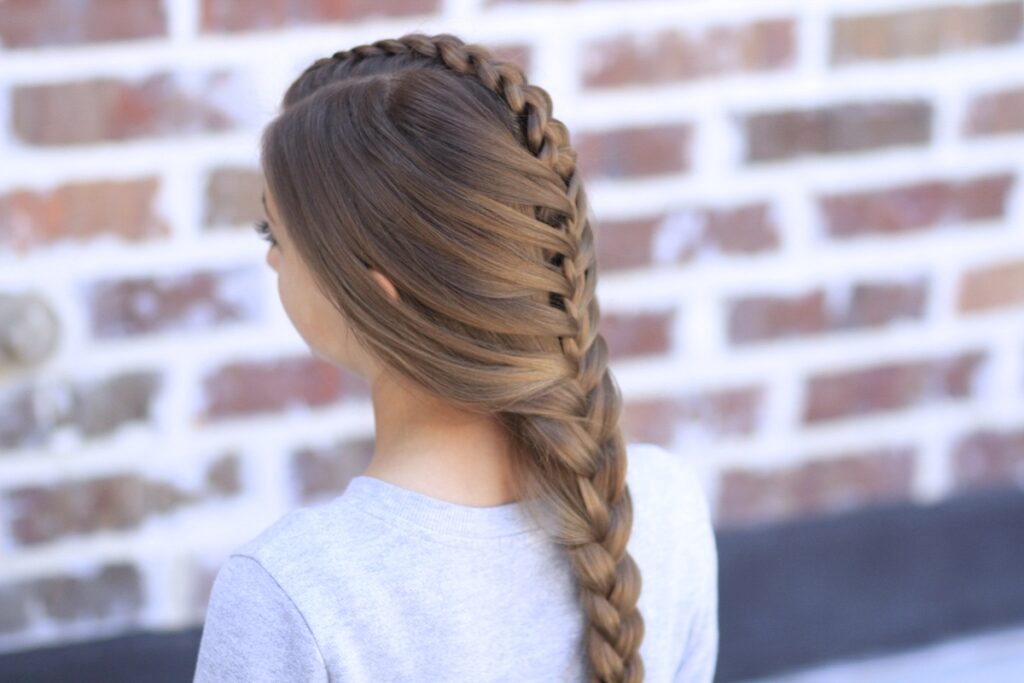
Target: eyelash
{"points": [[263, 228]]}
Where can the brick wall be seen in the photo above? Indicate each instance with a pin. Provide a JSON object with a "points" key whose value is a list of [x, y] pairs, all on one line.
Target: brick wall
{"points": [[809, 232]]}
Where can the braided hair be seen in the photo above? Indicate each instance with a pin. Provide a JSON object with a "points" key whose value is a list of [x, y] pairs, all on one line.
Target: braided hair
{"points": [[439, 165]]}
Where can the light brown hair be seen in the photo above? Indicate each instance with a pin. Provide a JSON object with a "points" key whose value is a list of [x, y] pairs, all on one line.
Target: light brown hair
{"points": [[437, 164]]}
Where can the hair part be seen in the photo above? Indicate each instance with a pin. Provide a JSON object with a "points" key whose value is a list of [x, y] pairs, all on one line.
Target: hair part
{"points": [[442, 168]]}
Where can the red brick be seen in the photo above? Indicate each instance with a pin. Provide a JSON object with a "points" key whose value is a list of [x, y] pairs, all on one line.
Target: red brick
{"points": [[925, 31], [746, 229], [253, 387], [756, 318], [114, 592], [222, 476], [41, 23], [916, 207], [101, 406], [719, 412], [181, 302], [624, 243], [995, 113], [233, 196], [30, 414], [79, 212], [695, 232], [46, 513], [822, 485], [836, 129], [326, 471], [248, 15], [873, 304], [999, 285], [160, 105], [887, 387], [637, 334], [200, 585], [989, 458], [630, 152], [867, 304], [20, 424], [14, 608], [673, 55]]}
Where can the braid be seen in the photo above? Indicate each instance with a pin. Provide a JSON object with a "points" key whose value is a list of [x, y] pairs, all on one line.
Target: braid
{"points": [[573, 432]]}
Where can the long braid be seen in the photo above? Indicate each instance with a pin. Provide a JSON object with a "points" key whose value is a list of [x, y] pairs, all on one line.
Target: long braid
{"points": [[573, 435]]}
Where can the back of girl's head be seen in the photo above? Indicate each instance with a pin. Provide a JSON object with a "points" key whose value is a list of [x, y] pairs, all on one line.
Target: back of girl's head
{"points": [[438, 165]]}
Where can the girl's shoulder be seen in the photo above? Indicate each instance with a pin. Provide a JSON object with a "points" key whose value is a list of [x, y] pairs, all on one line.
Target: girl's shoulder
{"points": [[655, 472], [672, 519], [673, 542]]}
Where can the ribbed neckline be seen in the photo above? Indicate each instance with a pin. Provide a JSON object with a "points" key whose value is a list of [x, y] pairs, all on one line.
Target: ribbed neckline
{"points": [[391, 502]]}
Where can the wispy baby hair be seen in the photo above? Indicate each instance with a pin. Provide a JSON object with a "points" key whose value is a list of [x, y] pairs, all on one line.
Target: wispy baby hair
{"points": [[438, 165]]}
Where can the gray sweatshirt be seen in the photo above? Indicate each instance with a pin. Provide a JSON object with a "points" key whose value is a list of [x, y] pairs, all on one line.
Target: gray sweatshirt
{"points": [[383, 583]]}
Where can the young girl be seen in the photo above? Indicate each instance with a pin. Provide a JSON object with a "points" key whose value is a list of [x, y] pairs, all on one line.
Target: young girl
{"points": [[430, 232]]}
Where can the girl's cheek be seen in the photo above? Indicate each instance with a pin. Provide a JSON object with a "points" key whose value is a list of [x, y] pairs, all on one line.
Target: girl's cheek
{"points": [[296, 307]]}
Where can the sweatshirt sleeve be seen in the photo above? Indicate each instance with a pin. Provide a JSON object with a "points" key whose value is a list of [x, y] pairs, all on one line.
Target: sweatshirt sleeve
{"points": [[701, 653], [254, 632]]}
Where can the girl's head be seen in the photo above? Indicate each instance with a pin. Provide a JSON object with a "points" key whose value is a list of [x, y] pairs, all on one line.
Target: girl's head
{"points": [[430, 217], [309, 309]]}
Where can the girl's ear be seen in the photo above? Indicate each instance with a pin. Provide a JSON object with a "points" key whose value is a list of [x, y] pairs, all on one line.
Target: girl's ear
{"points": [[385, 284]]}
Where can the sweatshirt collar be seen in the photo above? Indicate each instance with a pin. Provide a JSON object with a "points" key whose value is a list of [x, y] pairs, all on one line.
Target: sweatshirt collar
{"points": [[391, 502]]}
